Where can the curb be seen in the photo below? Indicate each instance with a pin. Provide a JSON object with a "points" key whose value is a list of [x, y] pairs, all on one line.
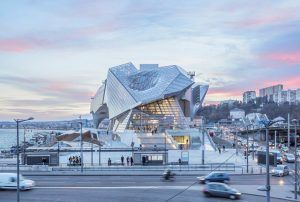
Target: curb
{"points": [[281, 198], [130, 174]]}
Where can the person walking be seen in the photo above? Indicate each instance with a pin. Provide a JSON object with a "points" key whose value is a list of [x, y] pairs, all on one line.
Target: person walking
{"points": [[143, 160], [219, 150], [109, 162], [131, 161], [127, 160], [122, 160], [223, 148]]}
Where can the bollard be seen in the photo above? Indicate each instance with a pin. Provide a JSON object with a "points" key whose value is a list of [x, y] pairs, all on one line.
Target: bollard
{"points": [[260, 170], [251, 170]]}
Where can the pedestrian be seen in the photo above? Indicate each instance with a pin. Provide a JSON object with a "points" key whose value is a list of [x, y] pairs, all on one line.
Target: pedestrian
{"points": [[122, 160], [70, 160], [109, 162], [131, 161], [219, 150], [179, 161], [127, 160], [143, 160], [223, 148]]}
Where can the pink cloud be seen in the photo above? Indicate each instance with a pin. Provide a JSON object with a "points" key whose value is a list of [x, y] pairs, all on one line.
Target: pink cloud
{"points": [[289, 83], [224, 92], [15, 45], [290, 58]]}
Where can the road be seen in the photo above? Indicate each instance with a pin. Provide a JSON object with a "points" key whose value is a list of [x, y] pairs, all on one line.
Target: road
{"points": [[125, 189]]}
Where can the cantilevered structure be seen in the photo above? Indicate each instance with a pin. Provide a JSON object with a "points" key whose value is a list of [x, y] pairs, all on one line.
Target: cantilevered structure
{"points": [[150, 99]]}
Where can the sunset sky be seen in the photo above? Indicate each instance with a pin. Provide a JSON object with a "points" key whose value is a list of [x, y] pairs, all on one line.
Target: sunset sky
{"points": [[55, 54]]}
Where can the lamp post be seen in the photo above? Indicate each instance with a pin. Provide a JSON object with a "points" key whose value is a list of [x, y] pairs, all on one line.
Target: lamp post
{"points": [[203, 145], [296, 162], [247, 148], [58, 144], [267, 124], [81, 145], [24, 145], [18, 121], [92, 153]]}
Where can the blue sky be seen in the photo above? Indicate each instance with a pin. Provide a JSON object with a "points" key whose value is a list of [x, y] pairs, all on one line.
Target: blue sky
{"points": [[55, 54]]}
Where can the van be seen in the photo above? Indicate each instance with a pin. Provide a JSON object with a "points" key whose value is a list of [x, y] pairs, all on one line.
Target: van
{"points": [[9, 181]]}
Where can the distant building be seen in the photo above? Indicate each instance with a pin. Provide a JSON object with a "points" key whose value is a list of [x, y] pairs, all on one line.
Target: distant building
{"points": [[237, 114], [290, 96], [278, 95], [270, 91], [249, 96], [228, 102]]}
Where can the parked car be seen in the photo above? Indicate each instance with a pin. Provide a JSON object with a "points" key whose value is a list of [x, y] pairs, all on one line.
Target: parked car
{"points": [[290, 158], [9, 181], [280, 171], [221, 190], [214, 177]]}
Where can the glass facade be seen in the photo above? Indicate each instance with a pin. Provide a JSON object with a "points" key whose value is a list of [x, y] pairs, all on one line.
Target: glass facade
{"points": [[158, 116]]}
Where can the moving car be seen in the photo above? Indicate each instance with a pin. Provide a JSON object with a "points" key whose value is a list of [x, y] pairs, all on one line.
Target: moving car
{"points": [[280, 170], [214, 177], [290, 158], [278, 156], [9, 181], [221, 190]]}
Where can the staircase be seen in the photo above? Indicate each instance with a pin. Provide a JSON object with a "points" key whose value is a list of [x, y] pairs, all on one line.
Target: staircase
{"points": [[161, 140]]}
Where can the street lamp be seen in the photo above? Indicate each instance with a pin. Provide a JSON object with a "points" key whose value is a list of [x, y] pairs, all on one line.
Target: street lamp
{"points": [[24, 139], [295, 121], [18, 121], [203, 139], [81, 145], [267, 124], [247, 148]]}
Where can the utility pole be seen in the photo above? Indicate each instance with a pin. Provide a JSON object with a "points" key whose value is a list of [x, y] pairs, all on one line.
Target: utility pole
{"points": [[18, 121], [268, 187], [81, 145], [296, 162], [236, 146], [288, 131], [92, 153], [275, 139], [203, 144], [99, 153], [247, 148], [267, 125], [24, 147]]}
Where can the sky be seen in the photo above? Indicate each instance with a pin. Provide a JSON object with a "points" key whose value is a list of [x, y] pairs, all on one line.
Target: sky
{"points": [[55, 54]]}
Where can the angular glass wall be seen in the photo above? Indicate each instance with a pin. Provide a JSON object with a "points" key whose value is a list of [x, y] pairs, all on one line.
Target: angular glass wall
{"points": [[158, 116]]}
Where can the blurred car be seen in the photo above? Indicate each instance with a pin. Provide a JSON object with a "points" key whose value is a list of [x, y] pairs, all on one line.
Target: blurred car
{"points": [[290, 158], [280, 171], [9, 181], [214, 177], [221, 190], [284, 148], [278, 156]]}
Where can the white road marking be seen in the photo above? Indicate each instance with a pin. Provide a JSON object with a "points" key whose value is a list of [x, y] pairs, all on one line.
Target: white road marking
{"points": [[131, 187]]}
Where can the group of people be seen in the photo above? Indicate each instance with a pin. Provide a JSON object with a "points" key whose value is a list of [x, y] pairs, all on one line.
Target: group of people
{"points": [[129, 161], [74, 160], [219, 149]]}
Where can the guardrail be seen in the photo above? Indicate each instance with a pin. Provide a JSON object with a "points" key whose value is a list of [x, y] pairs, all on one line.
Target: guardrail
{"points": [[191, 167]]}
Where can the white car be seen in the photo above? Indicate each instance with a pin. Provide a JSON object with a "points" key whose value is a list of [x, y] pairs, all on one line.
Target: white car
{"points": [[9, 181], [280, 171]]}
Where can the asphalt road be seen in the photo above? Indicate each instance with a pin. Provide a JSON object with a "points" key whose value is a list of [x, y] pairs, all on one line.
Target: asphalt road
{"points": [[124, 188]]}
